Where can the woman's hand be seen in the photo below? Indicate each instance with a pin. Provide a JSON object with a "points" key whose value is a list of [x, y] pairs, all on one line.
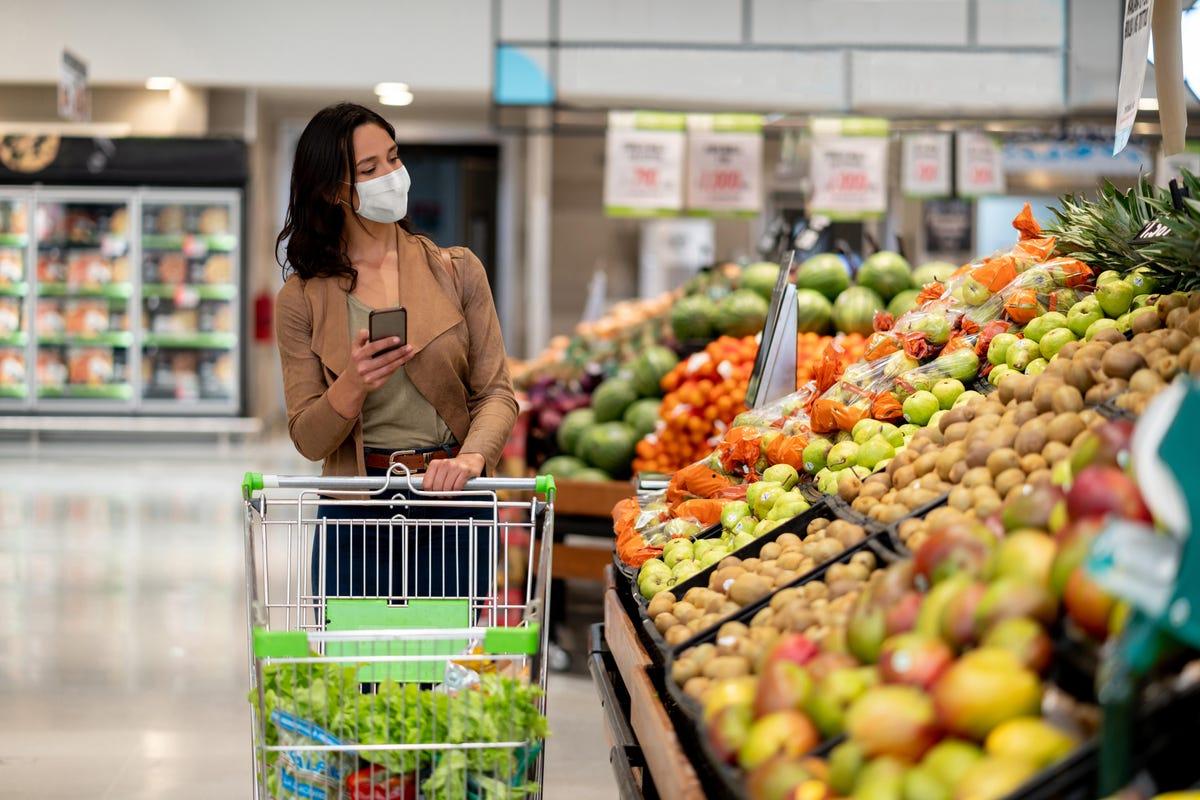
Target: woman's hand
{"points": [[366, 372], [452, 474]]}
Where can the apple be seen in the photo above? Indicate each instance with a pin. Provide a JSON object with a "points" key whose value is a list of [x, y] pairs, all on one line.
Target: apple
{"points": [[729, 692], [1114, 297], [920, 407], [865, 429], [1081, 317], [845, 763], [935, 327], [998, 347], [1099, 325], [953, 550], [783, 474], [795, 648], [866, 631], [1054, 341], [947, 391], [881, 779], [873, 451], [780, 733], [778, 779], [914, 659], [973, 292], [984, 688], [833, 695], [1040, 326], [1101, 490], [901, 616], [782, 686], [1032, 508], [897, 721], [958, 617], [677, 550]]}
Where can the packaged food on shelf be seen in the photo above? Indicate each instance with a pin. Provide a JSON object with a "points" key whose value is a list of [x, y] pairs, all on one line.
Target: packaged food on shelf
{"points": [[90, 366]]}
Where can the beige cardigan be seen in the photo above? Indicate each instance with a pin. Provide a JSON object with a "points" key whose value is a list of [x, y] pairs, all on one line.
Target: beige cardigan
{"points": [[459, 366]]}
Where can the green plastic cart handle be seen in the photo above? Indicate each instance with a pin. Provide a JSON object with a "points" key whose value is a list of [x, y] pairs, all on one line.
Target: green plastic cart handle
{"points": [[512, 641]]}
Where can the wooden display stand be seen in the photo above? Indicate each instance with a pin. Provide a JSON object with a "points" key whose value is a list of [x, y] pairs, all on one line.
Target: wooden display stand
{"points": [[669, 766]]}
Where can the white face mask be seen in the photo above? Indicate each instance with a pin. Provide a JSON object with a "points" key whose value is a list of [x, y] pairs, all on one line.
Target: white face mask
{"points": [[384, 199]]}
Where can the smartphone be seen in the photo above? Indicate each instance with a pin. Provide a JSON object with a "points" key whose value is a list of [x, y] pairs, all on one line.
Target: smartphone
{"points": [[385, 323]]}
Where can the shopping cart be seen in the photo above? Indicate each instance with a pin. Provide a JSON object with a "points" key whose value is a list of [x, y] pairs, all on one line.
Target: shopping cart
{"points": [[413, 687]]}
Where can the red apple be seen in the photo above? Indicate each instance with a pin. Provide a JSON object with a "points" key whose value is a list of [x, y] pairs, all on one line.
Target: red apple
{"points": [[958, 617], [1032, 508], [893, 721], [782, 686], [794, 647], [1087, 604], [951, 551], [914, 659], [1099, 491], [902, 617], [828, 662], [782, 733]]}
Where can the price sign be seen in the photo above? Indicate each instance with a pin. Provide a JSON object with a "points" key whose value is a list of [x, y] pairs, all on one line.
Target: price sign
{"points": [[849, 168], [643, 165], [980, 165], [926, 165], [1135, 42], [74, 103], [724, 163]]}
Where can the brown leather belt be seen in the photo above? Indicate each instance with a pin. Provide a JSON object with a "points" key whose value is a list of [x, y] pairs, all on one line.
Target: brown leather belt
{"points": [[412, 460]]}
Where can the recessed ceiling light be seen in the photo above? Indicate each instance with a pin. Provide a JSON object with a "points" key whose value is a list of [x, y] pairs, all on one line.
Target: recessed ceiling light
{"points": [[396, 98], [161, 84], [1148, 104], [390, 88]]}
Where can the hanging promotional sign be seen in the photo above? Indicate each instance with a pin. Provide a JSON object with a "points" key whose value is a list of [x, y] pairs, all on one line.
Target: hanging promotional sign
{"points": [[643, 164], [979, 165], [724, 165], [926, 165], [1135, 42], [73, 100], [849, 168]]}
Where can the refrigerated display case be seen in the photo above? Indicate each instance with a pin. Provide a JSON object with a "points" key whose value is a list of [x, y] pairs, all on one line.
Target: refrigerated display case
{"points": [[121, 301], [190, 300], [14, 290]]}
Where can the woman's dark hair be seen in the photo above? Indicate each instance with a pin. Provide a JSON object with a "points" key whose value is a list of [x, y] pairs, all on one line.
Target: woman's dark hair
{"points": [[313, 226]]}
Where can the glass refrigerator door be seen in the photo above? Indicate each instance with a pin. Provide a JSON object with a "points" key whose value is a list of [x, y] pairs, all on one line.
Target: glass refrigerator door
{"points": [[14, 289], [190, 259], [84, 293]]}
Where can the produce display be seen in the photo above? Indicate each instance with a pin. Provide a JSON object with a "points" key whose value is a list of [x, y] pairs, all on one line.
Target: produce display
{"points": [[924, 629]]}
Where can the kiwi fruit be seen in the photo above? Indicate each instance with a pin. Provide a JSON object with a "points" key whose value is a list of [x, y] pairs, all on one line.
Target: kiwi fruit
{"points": [[1032, 462], [1146, 381], [1001, 460], [1030, 439], [1043, 395], [1054, 452], [1009, 479], [1068, 350], [1177, 318], [1066, 398], [1110, 335]]}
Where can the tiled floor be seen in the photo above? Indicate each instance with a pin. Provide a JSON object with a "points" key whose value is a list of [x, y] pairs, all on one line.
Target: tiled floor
{"points": [[122, 629]]}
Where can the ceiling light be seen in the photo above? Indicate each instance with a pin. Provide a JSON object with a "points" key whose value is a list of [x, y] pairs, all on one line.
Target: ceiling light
{"points": [[390, 88], [161, 84], [396, 98], [1148, 104]]}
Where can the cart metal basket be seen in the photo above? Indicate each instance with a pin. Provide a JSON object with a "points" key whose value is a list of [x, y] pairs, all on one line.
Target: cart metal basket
{"points": [[397, 648]]}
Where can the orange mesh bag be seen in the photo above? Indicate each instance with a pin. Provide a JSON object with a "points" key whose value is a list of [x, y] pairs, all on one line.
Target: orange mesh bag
{"points": [[821, 416], [631, 547], [996, 273], [886, 407], [883, 321], [1026, 225], [1021, 306], [705, 512], [740, 448], [787, 450], [931, 291], [695, 480]]}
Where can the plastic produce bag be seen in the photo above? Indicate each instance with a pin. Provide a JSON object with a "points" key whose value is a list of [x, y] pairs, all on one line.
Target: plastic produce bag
{"points": [[313, 774]]}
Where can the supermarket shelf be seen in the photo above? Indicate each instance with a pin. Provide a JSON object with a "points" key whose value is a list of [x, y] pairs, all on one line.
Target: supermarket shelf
{"points": [[218, 291], [120, 424], [14, 289], [191, 341], [13, 392], [17, 339], [116, 391], [14, 239], [110, 339], [219, 243], [117, 291]]}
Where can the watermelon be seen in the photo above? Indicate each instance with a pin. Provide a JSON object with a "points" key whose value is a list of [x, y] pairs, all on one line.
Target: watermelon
{"points": [[760, 278], [692, 318], [562, 466], [933, 271], [611, 398], [572, 426], [650, 368], [642, 416], [854, 311], [591, 475], [812, 311], [885, 273], [742, 313], [826, 273], [608, 446], [903, 302]]}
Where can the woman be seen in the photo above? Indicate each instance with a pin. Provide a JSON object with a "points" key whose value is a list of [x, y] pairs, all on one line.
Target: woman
{"points": [[442, 405]]}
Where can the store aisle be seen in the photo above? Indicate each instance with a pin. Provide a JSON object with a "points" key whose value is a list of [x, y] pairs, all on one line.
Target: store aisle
{"points": [[122, 629]]}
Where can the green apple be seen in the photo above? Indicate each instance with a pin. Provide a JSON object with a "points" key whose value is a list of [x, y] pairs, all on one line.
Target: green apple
{"points": [[1142, 282], [1098, 326], [1106, 276], [947, 391], [998, 347], [1082, 315], [1037, 366], [1115, 297], [919, 407], [974, 293], [1021, 353], [814, 454], [714, 555], [1040, 326], [965, 397], [1053, 341], [676, 551], [864, 429], [873, 451], [998, 372]]}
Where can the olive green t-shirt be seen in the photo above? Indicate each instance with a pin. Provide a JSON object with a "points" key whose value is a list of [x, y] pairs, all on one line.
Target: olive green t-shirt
{"points": [[396, 416]]}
